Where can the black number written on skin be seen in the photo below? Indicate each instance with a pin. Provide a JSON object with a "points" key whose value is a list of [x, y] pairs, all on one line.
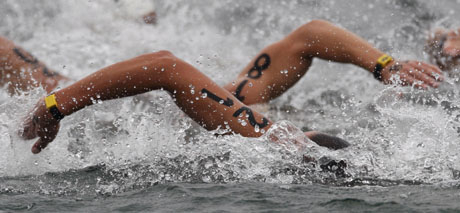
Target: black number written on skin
{"points": [[254, 73], [30, 59], [252, 119], [229, 103], [238, 90]]}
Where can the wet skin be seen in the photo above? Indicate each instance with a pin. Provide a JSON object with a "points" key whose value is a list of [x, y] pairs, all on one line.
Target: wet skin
{"points": [[213, 106]]}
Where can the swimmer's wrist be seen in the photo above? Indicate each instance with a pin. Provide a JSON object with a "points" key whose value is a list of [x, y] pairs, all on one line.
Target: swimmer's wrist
{"points": [[53, 107], [383, 62], [71, 100], [66, 104]]}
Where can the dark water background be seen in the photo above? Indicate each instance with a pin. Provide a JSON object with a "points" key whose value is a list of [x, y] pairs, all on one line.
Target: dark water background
{"points": [[143, 154]]}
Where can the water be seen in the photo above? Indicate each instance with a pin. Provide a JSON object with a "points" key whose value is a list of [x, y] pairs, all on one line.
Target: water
{"points": [[143, 154]]}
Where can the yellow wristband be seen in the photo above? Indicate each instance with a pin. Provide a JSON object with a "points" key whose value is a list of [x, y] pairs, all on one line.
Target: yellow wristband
{"points": [[382, 62], [50, 101], [51, 105]]}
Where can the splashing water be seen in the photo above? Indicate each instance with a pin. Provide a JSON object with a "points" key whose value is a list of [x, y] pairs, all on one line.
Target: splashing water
{"points": [[396, 133]]}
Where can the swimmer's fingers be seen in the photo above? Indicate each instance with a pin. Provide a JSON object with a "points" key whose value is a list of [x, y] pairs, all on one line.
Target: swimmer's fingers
{"points": [[416, 73], [423, 78], [40, 124], [47, 135], [408, 80], [430, 70], [29, 130], [31, 123]]}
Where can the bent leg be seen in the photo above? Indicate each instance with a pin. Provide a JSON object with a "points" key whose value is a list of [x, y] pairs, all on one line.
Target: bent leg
{"points": [[21, 71]]}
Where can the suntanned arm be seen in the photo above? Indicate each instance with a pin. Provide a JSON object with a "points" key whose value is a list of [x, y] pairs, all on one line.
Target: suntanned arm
{"points": [[280, 65], [198, 96], [21, 71]]}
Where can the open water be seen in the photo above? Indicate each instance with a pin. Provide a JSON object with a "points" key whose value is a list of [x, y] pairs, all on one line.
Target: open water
{"points": [[143, 154]]}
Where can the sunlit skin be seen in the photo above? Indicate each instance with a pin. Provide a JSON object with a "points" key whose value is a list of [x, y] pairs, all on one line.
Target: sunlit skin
{"points": [[443, 46], [452, 45], [162, 70], [20, 75], [321, 39]]}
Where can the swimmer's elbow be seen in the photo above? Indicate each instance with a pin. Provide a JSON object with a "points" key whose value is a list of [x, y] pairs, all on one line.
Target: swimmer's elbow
{"points": [[315, 25], [156, 56]]}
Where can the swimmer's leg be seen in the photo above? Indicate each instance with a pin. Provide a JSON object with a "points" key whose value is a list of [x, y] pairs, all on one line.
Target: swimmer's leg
{"points": [[21, 71], [197, 95]]}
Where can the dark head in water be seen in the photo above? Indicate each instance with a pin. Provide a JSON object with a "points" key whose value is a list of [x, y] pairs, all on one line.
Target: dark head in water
{"points": [[328, 141]]}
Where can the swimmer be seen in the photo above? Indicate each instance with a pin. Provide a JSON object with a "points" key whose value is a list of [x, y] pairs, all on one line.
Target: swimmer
{"points": [[215, 107]]}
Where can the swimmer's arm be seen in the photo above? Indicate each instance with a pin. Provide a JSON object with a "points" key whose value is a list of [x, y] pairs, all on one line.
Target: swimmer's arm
{"points": [[329, 42], [22, 71], [142, 74]]}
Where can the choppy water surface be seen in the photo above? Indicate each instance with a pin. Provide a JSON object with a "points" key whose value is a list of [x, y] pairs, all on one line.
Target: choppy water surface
{"points": [[144, 154]]}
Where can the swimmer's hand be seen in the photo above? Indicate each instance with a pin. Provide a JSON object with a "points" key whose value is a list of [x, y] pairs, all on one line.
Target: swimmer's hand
{"points": [[328, 141], [416, 73], [40, 123], [451, 46]]}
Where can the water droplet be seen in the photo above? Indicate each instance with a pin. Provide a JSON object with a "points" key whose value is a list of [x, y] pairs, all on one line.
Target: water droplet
{"points": [[221, 102], [204, 95], [250, 84], [256, 128], [162, 69], [144, 67]]}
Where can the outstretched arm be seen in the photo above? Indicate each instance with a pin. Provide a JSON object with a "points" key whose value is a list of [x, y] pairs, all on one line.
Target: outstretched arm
{"points": [[202, 99], [280, 65]]}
